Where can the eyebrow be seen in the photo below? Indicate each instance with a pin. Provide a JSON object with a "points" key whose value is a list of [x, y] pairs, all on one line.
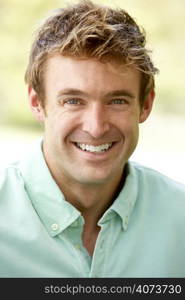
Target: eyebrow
{"points": [[117, 93], [77, 92], [71, 91]]}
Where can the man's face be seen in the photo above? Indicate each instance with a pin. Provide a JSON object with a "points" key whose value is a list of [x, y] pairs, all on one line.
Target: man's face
{"points": [[91, 120]]}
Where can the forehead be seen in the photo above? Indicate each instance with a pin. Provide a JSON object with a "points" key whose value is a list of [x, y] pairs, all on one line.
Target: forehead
{"points": [[86, 74]]}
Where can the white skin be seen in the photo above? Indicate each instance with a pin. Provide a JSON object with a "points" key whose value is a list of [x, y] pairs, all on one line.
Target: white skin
{"points": [[93, 103]]}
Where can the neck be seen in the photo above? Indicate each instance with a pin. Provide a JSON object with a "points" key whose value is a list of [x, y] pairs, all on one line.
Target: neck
{"points": [[91, 200]]}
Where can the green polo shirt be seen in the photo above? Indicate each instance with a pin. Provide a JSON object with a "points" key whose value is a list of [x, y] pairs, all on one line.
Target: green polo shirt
{"points": [[142, 233]]}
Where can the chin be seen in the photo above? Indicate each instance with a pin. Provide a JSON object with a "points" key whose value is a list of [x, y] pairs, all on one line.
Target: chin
{"points": [[96, 178], [93, 181]]}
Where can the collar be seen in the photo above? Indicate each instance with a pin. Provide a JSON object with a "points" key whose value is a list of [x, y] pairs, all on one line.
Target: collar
{"points": [[45, 195], [124, 203]]}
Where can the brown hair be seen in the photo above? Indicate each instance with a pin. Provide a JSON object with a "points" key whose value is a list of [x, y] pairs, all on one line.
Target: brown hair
{"points": [[88, 30]]}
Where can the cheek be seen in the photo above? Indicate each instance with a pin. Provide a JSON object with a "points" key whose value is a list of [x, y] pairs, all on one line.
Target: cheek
{"points": [[60, 124], [128, 124], [132, 135], [129, 128]]}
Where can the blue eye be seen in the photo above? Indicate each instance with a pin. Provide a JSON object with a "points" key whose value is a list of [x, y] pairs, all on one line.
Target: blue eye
{"points": [[73, 101], [118, 101]]}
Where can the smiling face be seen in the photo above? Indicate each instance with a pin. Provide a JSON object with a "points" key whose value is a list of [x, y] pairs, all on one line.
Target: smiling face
{"points": [[91, 120]]}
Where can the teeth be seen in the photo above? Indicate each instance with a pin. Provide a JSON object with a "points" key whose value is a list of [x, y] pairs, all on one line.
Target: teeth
{"points": [[91, 148]]}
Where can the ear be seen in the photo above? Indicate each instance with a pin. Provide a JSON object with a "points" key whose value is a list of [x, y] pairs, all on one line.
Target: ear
{"points": [[147, 106], [35, 105]]}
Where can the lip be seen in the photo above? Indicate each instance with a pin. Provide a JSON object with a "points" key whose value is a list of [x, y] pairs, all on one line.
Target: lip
{"points": [[95, 155]]}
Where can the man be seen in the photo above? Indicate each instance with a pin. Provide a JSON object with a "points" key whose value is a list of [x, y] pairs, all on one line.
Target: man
{"points": [[76, 206]]}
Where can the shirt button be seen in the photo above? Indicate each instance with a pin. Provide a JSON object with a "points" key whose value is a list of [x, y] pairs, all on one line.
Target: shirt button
{"points": [[77, 246], [54, 226]]}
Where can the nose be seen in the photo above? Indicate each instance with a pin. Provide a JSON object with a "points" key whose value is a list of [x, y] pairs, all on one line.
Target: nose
{"points": [[96, 121]]}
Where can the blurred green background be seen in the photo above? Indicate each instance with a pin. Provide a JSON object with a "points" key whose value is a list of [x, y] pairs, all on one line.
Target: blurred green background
{"points": [[164, 23]]}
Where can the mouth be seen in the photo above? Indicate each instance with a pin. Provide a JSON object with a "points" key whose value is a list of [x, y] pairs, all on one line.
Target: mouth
{"points": [[94, 149]]}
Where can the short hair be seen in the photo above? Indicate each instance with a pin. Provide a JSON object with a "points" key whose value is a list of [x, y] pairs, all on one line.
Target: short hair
{"points": [[88, 30]]}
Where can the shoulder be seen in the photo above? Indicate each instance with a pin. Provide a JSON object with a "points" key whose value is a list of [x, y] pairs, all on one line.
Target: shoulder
{"points": [[154, 182], [10, 176], [162, 197], [151, 175]]}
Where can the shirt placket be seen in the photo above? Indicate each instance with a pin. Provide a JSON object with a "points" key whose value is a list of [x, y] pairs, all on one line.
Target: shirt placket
{"points": [[99, 255], [74, 235]]}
